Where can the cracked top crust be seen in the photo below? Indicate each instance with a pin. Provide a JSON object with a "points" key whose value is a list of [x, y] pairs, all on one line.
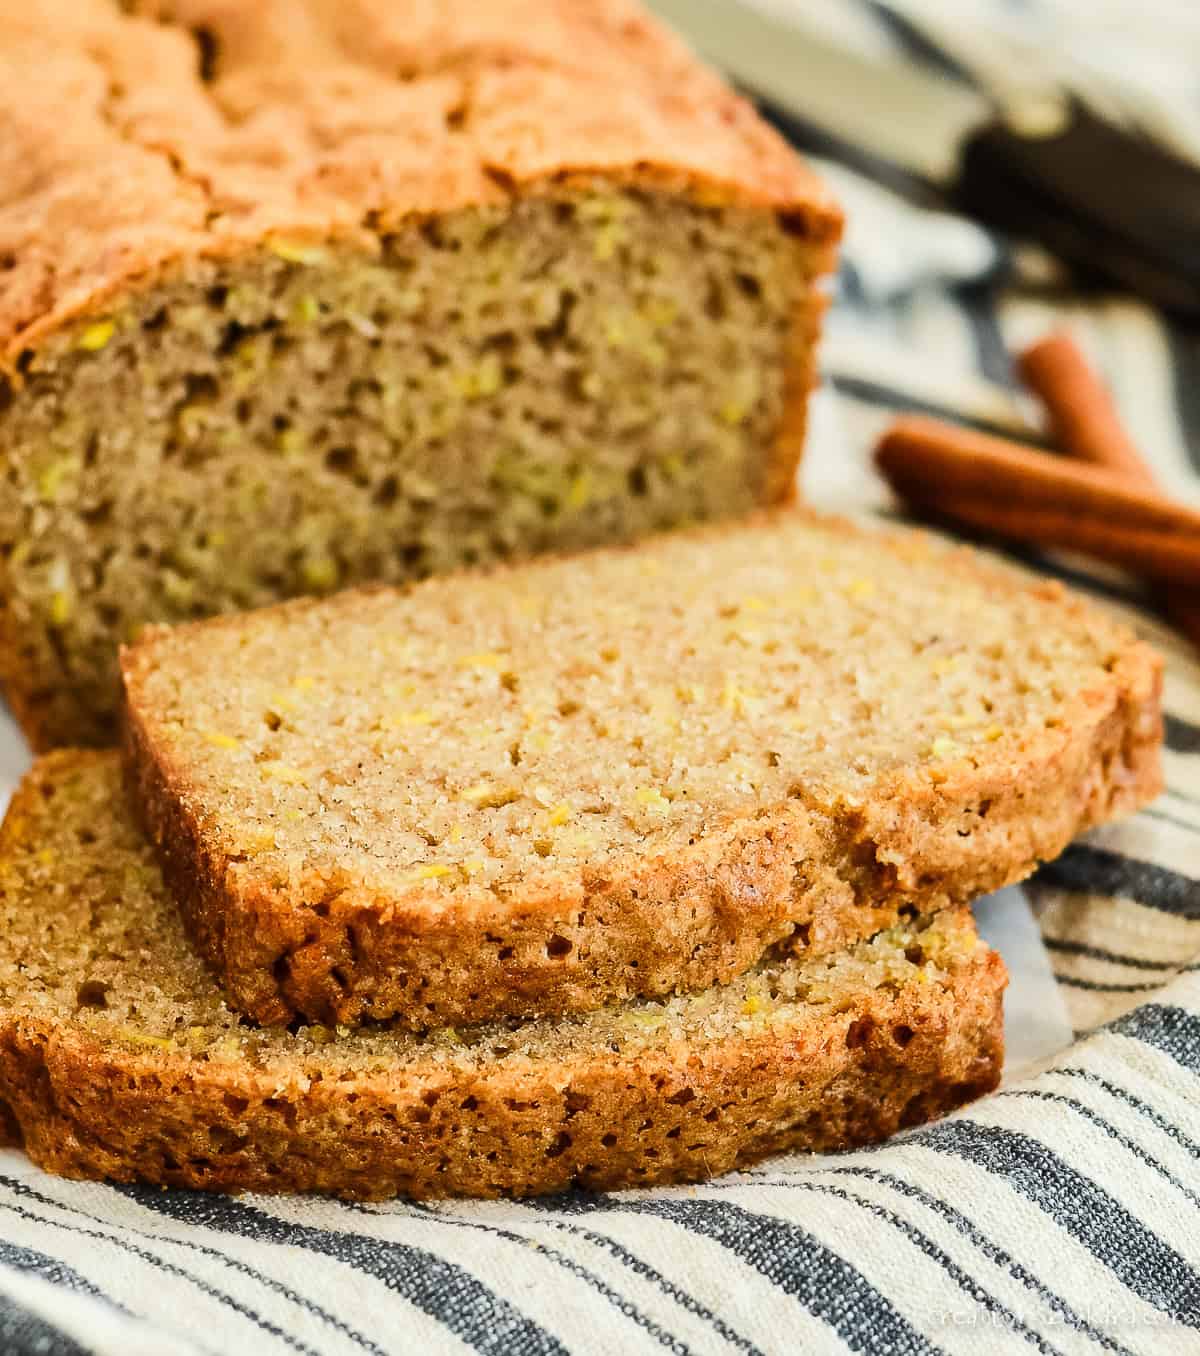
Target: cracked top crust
{"points": [[134, 135]]}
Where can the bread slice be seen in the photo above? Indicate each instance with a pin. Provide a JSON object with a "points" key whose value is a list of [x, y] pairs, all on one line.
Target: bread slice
{"points": [[626, 773], [120, 1059], [293, 297]]}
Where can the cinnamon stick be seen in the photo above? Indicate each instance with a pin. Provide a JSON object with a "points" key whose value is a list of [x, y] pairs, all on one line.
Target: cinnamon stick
{"points": [[1087, 425], [1083, 418], [1017, 492], [1140, 550]]}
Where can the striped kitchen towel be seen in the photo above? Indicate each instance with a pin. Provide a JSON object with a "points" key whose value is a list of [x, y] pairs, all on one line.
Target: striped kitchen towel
{"points": [[1061, 1214]]}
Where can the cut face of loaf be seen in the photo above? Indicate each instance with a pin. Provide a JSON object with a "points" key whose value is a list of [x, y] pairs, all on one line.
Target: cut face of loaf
{"points": [[119, 1058], [629, 772], [311, 323], [482, 386]]}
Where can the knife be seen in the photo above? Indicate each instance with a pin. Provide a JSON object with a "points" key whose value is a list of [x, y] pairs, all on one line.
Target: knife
{"points": [[1014, 148]]}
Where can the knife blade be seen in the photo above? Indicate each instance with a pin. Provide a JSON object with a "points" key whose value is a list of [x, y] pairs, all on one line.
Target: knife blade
{"points": [[1020, 152]]}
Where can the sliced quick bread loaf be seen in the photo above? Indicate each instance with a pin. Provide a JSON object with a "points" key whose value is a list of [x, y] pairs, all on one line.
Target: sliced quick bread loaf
{"points": [[626, 773], [294, 295], [120, 1059]]}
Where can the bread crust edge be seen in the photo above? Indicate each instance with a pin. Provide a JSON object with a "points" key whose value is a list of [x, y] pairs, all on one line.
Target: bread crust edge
{"points": [[90, 1109]]}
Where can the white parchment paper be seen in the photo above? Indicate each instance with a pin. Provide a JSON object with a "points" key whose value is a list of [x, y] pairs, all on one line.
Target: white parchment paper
{"points": [[1036, 1026]]}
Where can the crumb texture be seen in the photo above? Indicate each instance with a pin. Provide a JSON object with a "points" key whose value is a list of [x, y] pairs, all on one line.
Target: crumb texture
{"points": [[623, 773], [384, 289], [119, 1057]]}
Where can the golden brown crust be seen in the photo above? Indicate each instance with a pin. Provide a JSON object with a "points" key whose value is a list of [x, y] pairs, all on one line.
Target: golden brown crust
{"points": [[632, 1097], [328, 118], [801, 376], [90, 1112], [801, 874]]}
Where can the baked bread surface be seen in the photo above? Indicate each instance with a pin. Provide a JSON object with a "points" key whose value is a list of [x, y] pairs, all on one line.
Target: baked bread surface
{"points": [[302, 293], [625, 773], [120, 1059]]}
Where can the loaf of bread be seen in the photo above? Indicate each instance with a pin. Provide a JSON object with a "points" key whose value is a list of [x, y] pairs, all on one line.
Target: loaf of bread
{"points": [[305, 292], [626, 773], [119, 1058]]}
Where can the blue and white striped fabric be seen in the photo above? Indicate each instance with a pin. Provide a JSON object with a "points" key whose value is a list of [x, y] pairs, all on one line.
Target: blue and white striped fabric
{"points": [[1060, 1215]]}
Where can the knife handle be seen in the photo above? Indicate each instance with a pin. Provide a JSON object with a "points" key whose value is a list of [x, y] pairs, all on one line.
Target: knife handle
{"points": [[1115, 206]]}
